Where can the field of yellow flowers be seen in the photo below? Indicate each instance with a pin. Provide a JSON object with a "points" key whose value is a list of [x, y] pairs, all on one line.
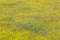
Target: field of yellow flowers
{"points": [[29, 19]]}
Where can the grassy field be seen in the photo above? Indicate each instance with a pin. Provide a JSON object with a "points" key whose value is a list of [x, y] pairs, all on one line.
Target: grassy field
{"points": [[29, 19]]}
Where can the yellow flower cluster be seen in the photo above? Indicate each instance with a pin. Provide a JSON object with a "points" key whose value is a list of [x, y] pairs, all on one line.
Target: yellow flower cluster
{"points": [[29, 19]]}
